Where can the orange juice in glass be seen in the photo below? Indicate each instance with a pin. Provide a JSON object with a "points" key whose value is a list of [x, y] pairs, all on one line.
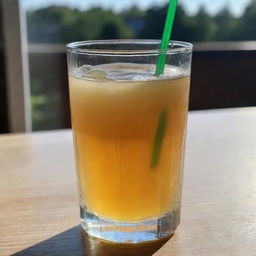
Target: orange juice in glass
{"points": [[129, 130]]}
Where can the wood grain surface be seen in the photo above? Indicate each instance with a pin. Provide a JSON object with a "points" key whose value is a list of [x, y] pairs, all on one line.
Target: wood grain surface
{"points": [[39, 206]]}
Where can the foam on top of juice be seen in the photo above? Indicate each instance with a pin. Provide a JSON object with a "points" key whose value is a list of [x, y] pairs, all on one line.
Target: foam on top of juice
{"points": [[126, 72]]}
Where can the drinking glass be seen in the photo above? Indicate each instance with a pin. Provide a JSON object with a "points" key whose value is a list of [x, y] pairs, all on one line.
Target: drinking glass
{"points": [[129, 130]]}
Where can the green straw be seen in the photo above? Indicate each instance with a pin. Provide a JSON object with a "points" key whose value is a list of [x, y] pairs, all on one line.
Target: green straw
{"points": [[163, 119], [166, 36], [159, 137]]}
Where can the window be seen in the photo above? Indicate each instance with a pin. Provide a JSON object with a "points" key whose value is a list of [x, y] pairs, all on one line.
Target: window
{"points": [[53, 23]]}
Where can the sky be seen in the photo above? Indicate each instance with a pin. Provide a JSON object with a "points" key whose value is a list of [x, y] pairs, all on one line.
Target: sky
{"points": [[191, 6]]}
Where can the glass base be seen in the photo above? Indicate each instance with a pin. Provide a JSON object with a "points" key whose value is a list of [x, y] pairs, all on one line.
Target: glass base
{"points": [[123, 232]]}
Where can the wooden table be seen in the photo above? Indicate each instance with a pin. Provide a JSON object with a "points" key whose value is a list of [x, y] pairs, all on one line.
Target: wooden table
{"points": [[39, 207]]}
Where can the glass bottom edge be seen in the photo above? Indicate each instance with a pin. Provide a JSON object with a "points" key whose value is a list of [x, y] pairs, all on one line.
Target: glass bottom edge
{"points": [[123, 232]]}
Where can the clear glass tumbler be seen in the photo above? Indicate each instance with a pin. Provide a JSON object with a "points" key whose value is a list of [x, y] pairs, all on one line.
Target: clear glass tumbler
{"points": [[129, 130]]}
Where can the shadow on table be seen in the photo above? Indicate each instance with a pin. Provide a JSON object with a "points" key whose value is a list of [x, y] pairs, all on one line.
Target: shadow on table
{"points": [[75, 242]]}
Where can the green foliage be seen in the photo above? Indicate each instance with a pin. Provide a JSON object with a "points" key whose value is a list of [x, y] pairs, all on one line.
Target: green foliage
{"points": [[247, 28], [45, 104], [227, 25], [38, 115], [205, 26], [154, 23], [133, 13], [57, 24], [184, 28]]}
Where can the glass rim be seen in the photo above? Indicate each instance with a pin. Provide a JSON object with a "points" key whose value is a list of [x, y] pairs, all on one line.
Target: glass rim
{"points": [[77, 47]]}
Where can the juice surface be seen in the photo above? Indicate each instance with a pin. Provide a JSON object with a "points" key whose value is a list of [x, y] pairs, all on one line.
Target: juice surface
{"points": [[115, 117]]}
